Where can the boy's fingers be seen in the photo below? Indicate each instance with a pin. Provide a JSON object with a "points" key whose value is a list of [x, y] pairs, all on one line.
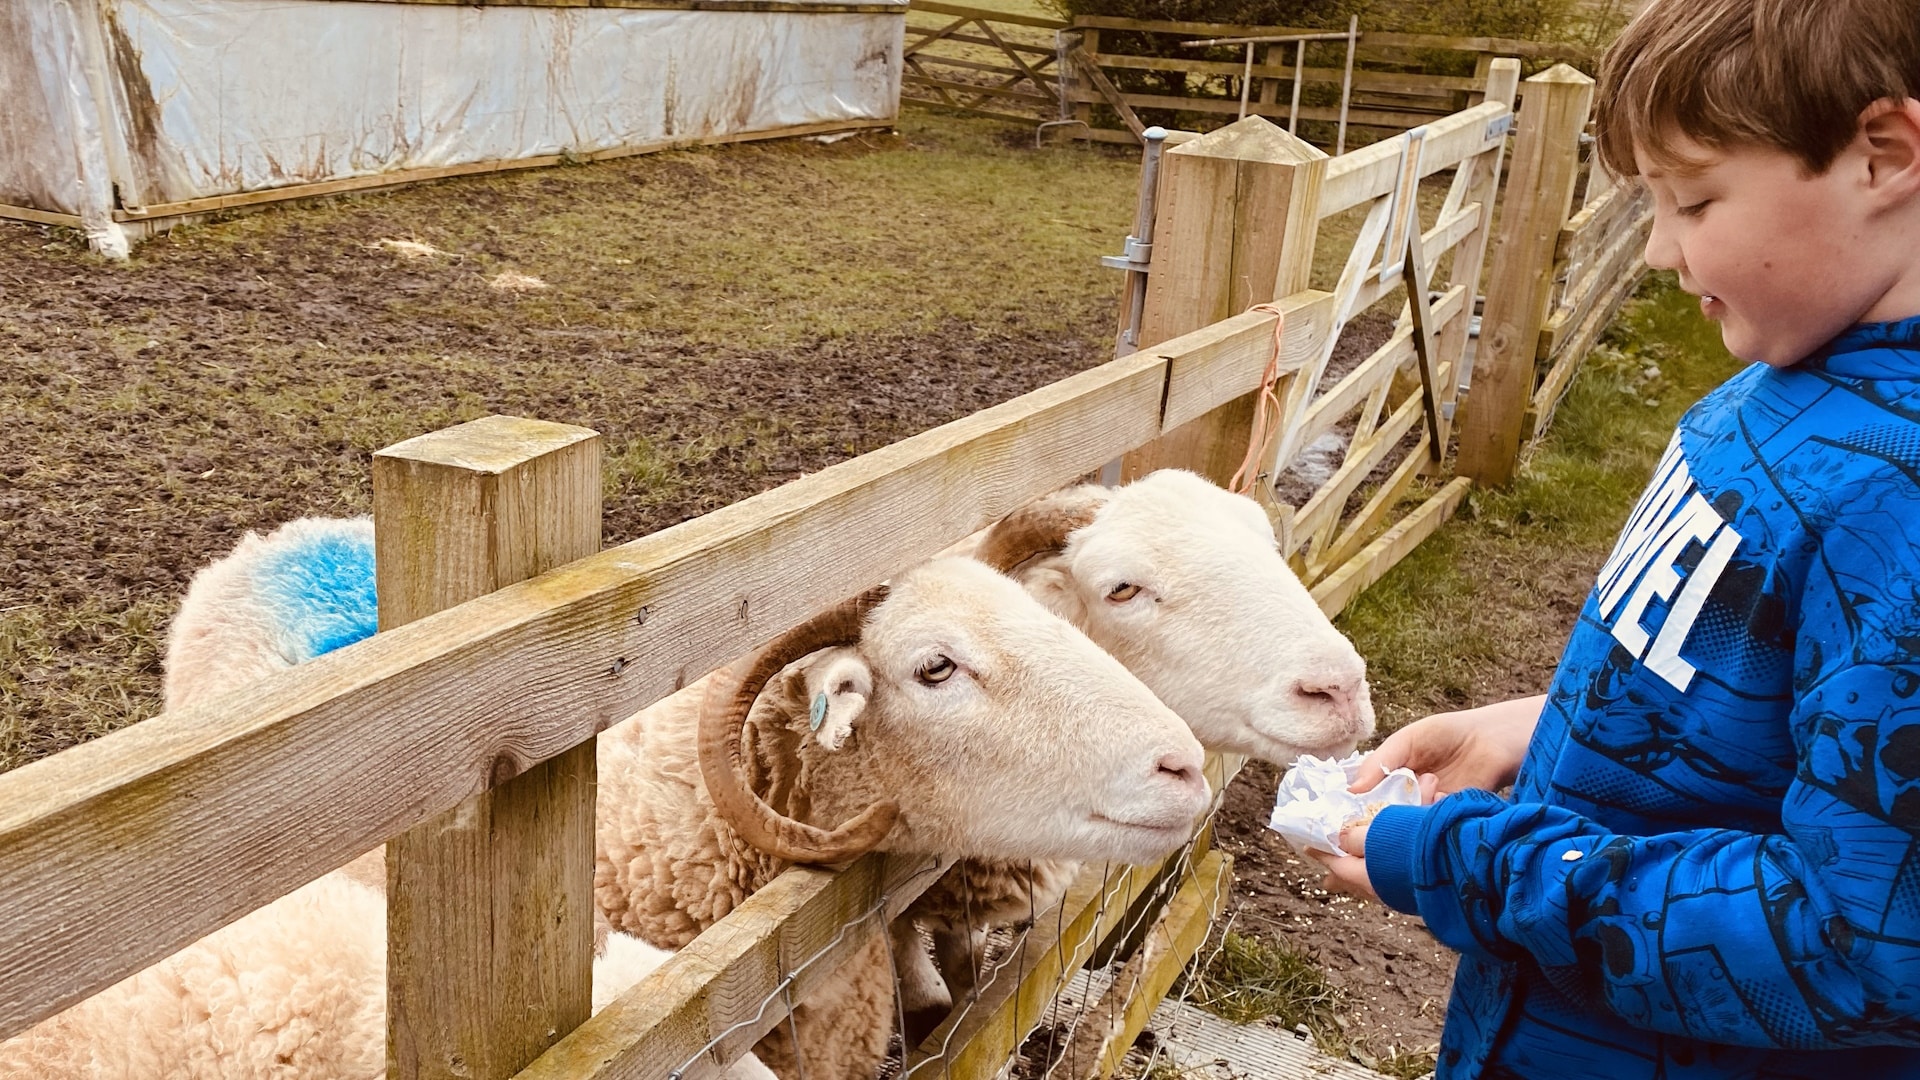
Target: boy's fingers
{"points": [[1429, 788], [1375, 766], [1353, 839], [1345, 874]]}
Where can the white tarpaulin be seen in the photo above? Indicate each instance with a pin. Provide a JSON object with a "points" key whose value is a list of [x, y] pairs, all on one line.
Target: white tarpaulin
{"points": [[52, 149], [213, 97]]}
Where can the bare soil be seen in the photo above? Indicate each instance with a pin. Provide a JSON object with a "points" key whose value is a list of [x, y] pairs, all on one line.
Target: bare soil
{"points": [[133, 463]]}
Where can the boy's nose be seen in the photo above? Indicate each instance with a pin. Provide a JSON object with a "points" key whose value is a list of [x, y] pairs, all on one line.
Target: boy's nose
{"points": [[1662, 252]]}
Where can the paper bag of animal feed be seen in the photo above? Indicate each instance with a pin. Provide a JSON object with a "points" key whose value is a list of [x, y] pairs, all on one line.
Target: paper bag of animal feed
{"points": [[1313, 803]]}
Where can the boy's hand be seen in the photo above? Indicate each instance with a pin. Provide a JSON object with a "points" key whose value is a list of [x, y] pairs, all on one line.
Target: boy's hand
{"points": [[1348, 873], [1478, 748]]}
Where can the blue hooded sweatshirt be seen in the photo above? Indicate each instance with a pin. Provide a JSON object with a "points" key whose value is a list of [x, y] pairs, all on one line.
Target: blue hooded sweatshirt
{"points": [[1708, 867]]}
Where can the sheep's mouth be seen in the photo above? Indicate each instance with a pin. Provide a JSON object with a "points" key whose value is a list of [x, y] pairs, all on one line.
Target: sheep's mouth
{"points": [[1282, 752], [1158, 828]]}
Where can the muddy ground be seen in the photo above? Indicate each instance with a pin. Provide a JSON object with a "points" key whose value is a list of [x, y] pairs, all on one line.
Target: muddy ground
{"points": [[240, 374]]}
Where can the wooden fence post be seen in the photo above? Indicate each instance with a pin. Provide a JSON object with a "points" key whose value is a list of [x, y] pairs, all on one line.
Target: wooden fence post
{"points": [[1546, 164], [1234, 227], [1469, 259], [490, 905]]}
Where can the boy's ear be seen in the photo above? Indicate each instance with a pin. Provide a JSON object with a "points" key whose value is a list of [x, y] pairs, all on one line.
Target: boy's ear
{"points": [[1890, 132]]}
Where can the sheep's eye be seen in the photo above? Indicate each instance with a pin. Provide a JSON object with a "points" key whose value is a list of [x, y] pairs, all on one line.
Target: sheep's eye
{"points": [[1123, 592], [936, 671]]}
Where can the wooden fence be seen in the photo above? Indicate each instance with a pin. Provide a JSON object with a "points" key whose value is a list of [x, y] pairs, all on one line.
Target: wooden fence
{"points": [[1034, 69], [1597, 263], [1561, 272], [463, 732]]}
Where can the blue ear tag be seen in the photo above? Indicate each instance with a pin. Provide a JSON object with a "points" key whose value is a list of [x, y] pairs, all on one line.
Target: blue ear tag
{"points": [[818, 715]]}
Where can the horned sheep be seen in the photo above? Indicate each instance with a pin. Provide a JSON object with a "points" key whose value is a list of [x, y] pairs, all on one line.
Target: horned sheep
{"points": [[986, 727], [1184, 583]]}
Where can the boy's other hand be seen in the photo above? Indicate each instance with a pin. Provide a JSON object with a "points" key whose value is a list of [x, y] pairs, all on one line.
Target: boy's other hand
{"points": [[1476, 748], [1348, 873]]}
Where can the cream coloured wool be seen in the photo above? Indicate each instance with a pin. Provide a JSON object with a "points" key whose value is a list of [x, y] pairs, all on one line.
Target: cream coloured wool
{"points": [[278, 600], [295, 989]]}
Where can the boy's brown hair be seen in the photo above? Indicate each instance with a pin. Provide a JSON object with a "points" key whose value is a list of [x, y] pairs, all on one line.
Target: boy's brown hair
{"points": [[1794, 75]]}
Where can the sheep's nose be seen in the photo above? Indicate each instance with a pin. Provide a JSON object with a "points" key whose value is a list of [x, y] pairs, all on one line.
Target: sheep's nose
{"points": [[1344, 695], [1183, 768]]}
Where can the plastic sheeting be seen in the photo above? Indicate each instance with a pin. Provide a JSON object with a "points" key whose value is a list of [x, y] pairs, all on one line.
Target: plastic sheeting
{"points": [[184, 99], [52, 153]]}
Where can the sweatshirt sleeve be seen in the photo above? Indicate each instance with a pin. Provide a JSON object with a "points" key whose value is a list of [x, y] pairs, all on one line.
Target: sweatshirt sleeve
{"points": [[1805, 938]]}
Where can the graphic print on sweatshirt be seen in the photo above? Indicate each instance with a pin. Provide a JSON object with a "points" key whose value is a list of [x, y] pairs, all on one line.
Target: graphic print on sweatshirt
{"points": [[1666, 562]]}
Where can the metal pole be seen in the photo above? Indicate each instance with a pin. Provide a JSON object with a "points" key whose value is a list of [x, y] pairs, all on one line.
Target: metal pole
{"points": [[1063, 44], [1246, 81], [1299, 68], [1138, 255], [1346, 86]]}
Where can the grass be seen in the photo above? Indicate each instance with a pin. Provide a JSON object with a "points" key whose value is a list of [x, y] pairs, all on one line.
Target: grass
{"points": [[766, 245], [1247, 978], [1252, 978], [1459, 622], [43, 653]]}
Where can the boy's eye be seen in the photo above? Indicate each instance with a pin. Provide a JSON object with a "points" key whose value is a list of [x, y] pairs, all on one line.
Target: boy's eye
{"points": [[1692, 210]]}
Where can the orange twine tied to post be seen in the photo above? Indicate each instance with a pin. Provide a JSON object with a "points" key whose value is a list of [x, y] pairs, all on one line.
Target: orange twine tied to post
{"points": [[1266, 408]]}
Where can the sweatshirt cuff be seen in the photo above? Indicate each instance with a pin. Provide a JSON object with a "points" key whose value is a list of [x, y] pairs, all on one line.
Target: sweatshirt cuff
{"points": [[1390, 852]]}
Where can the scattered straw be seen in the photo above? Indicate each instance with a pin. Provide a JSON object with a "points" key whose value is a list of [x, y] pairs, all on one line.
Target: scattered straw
{"points": [[515, 281], [408, 249]]}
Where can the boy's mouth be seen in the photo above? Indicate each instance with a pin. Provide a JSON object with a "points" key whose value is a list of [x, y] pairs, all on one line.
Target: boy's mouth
{"points": [[1710, 305]]}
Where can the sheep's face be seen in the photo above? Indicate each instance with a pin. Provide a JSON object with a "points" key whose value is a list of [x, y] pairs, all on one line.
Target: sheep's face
{"points": [[999, 729], [1184, 583]]}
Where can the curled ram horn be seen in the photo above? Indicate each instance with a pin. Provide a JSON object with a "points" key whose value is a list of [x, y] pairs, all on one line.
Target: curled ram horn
{"points": [[727, 704], [1041, 527]]}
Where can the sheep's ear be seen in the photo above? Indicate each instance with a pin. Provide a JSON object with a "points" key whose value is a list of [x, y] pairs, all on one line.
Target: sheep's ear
{"points": [[1050, 584], [837, 684]]}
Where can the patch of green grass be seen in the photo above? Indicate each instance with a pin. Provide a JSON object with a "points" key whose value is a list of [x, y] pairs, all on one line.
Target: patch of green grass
{"points": [[1248, 978], [1480, 611], [47, 655], [755, 245]]}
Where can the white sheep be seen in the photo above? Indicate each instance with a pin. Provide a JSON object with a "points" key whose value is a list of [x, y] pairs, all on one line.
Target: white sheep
{"points": [[299, 592], [974, 721], [994, 727], [1183, 582], [296, 988]]}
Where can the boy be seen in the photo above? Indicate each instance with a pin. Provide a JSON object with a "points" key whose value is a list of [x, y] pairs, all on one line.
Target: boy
{"points": [[1708, 866]]}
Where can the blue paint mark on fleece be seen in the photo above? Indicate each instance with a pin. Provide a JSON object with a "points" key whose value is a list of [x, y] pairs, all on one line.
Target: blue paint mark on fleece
{"points": [[321, 592]]}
